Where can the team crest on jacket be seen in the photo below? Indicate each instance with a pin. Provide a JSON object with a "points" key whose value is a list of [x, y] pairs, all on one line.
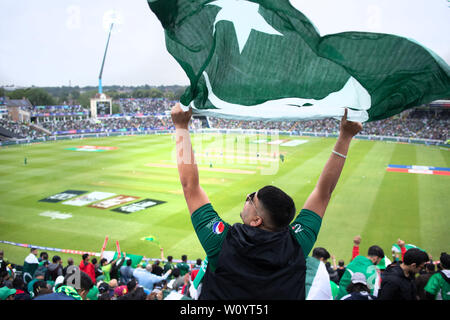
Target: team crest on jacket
{"points": [[218, 227]]}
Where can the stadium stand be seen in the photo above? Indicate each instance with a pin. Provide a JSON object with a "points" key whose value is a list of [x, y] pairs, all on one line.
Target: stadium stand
{"points": [[146, 114], [151, 280]]}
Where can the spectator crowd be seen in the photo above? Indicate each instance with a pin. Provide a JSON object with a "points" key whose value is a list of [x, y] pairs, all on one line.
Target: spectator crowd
{"points": [[153, 114], [410, 274]]}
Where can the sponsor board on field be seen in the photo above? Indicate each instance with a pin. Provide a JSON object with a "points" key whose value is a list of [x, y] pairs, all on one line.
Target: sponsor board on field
{"points": [[109, 203], [138, 206], [98, 200], [62, 196], [88, 198]]}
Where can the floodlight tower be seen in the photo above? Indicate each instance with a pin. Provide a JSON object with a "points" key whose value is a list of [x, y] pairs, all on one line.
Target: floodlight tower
{"points": [[100, 90], [101, 104]]}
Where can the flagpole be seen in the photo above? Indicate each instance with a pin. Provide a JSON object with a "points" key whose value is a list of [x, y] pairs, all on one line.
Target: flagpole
{"points": [[104, 246], [118, 248]]}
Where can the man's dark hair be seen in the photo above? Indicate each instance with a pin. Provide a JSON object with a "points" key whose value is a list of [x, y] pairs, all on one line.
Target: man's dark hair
{"points": [[84, 256], [175, 272], [416, 256], [184, 258], [55, 259], [131, 285], [375, 251], [129, 262], [278, 204], [169, 258], [445, 260], [18, 283], [321, 253]]}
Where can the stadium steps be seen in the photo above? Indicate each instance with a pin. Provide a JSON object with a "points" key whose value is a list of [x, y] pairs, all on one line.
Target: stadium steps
{"points": [[41, 129], [9, 134]]}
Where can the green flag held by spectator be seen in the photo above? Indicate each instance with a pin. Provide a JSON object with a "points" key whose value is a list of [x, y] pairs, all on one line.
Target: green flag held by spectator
{"points": [[264, 60], [151, 239]]}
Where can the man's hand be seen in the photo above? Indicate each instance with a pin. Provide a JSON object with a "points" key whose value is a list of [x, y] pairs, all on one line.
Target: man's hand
{"points": [[400, 243], [357, 240], [180, 118], [348, 129]]}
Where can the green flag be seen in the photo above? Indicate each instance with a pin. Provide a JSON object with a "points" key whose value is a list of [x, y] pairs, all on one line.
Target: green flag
{"points": [[396, 248], [135, 259], [151, 239], [264, 60]]}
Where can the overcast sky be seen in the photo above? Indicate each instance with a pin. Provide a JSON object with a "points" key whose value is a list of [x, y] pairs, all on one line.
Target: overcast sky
{"points": [[61, 42]]}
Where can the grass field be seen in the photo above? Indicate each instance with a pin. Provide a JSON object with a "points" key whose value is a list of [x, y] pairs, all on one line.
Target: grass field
{"points": [[381, 206]]}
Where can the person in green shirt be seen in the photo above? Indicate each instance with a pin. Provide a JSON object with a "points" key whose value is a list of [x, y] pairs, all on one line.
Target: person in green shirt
{"points": [[366, 265], [244, 258], [106, 269], [183, 265], [438, 286]]}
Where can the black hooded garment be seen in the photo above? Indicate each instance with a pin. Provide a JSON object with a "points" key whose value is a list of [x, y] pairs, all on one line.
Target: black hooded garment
{"points": [[256, 264], [396, 286]]}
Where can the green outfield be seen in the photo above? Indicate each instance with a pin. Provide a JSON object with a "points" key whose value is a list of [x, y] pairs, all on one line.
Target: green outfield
{"points": [[380, 206]]}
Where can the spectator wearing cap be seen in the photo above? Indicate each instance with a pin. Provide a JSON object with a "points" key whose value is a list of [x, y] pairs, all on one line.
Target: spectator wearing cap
{"points": [[358, 289], [119, 292], [438, 287], [104, 291], [7, 293], [69, 290]]}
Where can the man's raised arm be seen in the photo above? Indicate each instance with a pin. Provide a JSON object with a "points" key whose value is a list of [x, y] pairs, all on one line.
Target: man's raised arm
{"points": [[187, 167], [320, 196]]}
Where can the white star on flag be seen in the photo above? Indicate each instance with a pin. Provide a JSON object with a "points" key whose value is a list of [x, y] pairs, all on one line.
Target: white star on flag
{"points": [[245, 16]]}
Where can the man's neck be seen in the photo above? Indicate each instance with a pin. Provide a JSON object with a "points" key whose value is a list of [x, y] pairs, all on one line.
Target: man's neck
{"points": [[405, 270]]}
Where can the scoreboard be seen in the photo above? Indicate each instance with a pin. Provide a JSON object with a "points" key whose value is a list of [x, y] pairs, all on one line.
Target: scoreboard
{"points": [[103, 108]]}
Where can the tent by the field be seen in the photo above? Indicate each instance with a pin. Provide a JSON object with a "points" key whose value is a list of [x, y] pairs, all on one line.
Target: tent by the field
{"points": [[264, 60]]}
